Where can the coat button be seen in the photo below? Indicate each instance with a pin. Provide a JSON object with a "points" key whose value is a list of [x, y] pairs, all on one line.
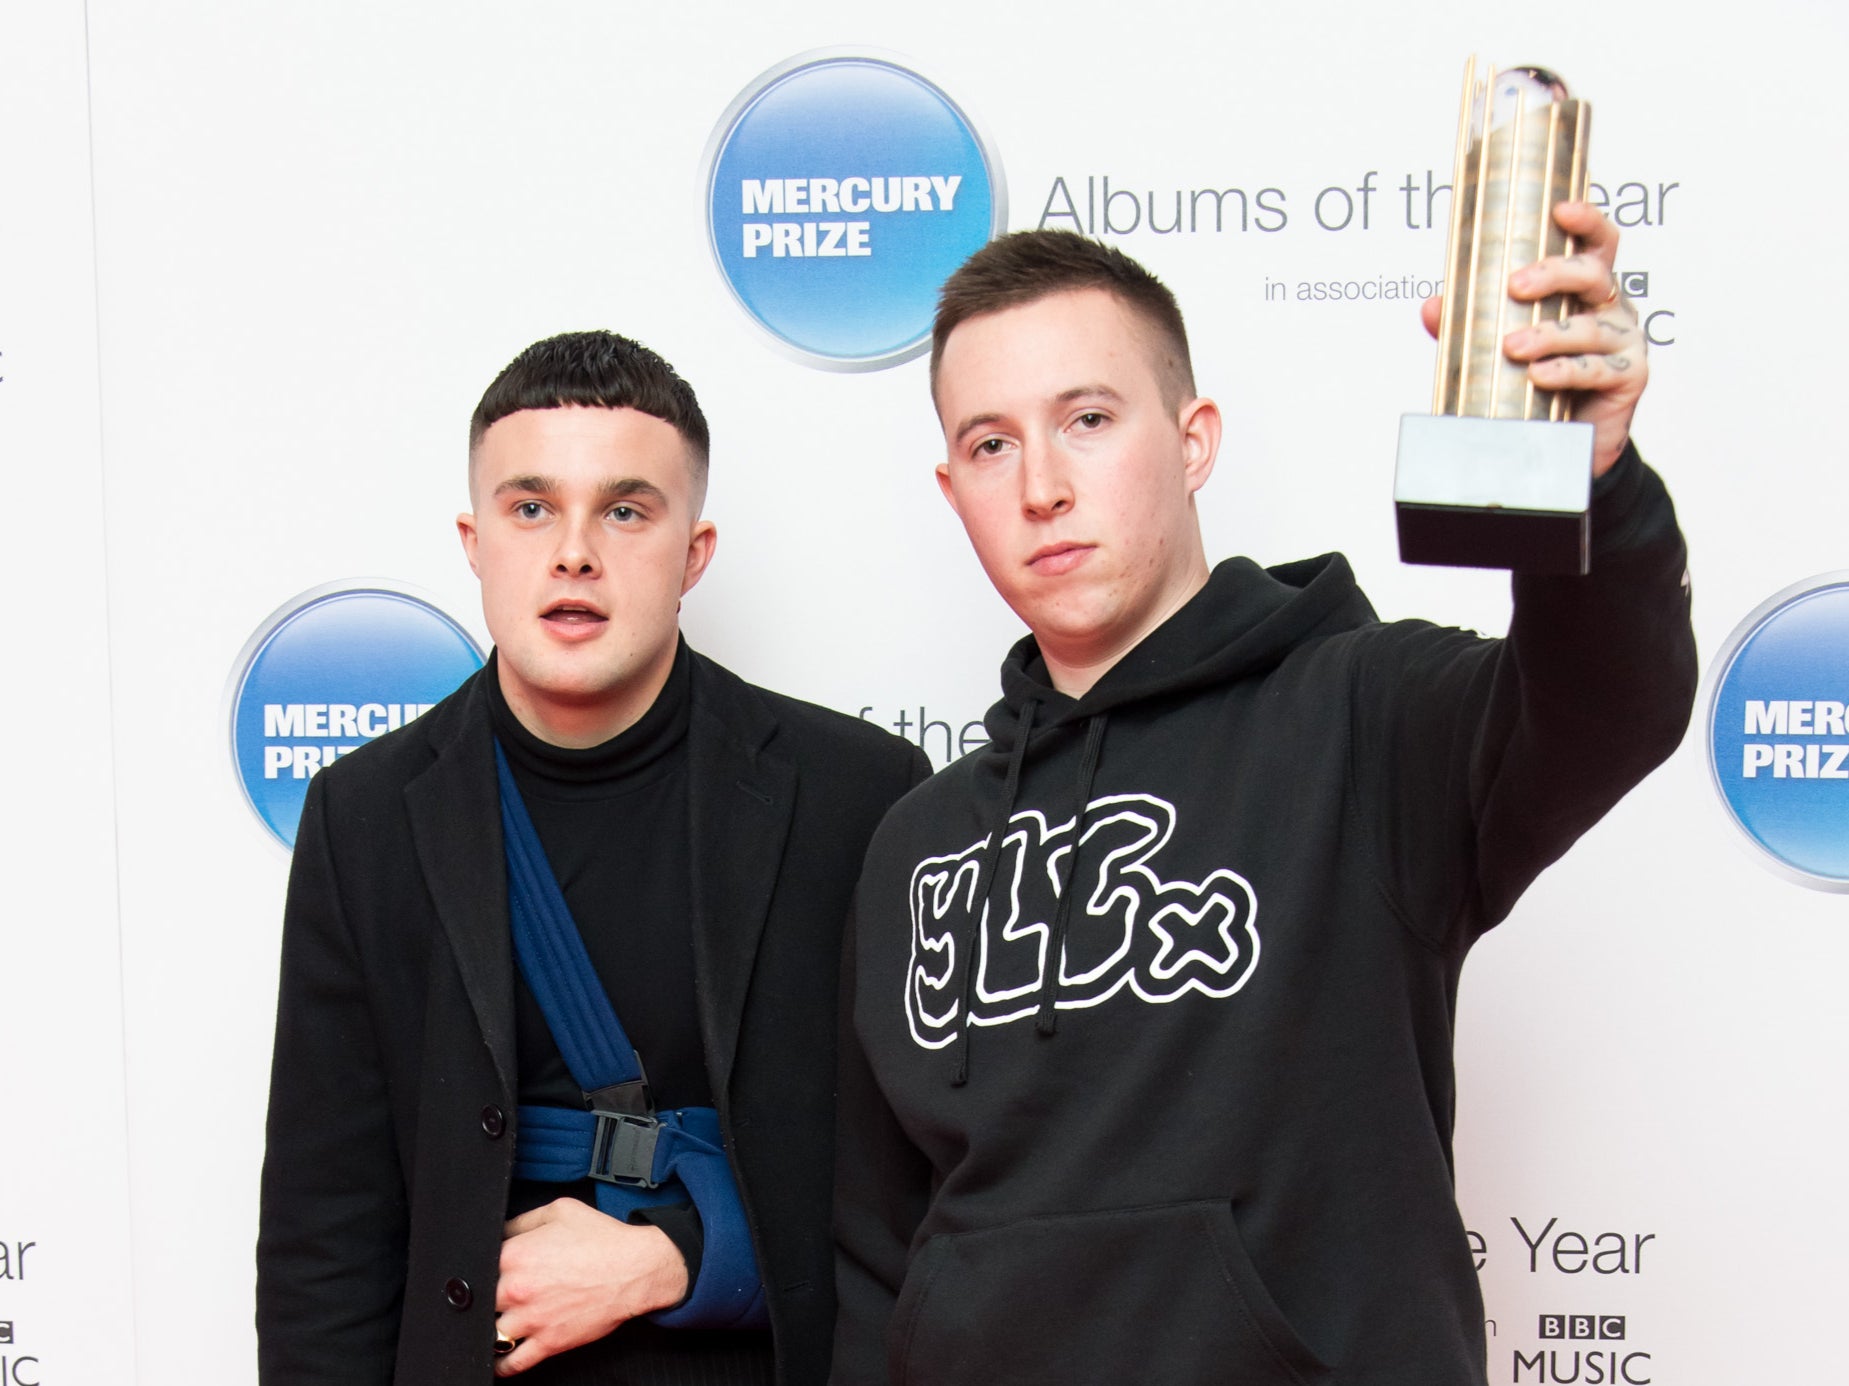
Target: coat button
{"points": [[494, 1122], [458, 1293]]}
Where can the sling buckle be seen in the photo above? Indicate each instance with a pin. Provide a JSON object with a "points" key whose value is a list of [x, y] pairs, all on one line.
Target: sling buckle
{"points": [[623, 1149]]}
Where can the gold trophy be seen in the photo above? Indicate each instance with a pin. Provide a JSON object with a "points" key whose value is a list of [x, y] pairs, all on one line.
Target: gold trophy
{"points": [[1498, 475]]}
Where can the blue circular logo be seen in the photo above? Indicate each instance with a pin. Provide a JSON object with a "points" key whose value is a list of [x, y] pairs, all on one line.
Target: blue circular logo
{"points": [[841, 191], [1778, 737], [327, 673]]}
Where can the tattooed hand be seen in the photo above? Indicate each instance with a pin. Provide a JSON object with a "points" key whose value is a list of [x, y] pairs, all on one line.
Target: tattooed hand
{"points": [[1599, 351]]}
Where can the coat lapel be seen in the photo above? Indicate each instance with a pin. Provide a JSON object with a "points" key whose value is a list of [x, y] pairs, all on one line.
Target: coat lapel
{"points": [[454, 808], [742, 796]]}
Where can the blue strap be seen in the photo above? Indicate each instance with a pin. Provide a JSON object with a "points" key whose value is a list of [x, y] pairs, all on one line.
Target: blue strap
{"points": [[552, 956], [556, 1145]]}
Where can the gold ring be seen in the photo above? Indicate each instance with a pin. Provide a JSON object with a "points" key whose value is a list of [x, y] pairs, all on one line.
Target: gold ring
{"points": [[504, 1344]]}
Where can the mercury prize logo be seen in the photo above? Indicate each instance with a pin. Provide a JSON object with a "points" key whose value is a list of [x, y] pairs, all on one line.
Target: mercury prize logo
{"points": [[329, 671], [842, 189], [1778, 739]]}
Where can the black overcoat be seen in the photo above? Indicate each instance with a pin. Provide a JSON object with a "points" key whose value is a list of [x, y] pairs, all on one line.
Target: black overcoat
{"points": [[393, 1090]]}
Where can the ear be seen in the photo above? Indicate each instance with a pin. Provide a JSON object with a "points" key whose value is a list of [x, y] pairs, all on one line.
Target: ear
{"points": [[943, 484], [1200, 424], [465, 528], [700, 546]]}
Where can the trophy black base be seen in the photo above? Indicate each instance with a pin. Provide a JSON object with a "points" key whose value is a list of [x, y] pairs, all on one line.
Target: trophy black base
{"points": [[1522, 541], [1494, 493]]}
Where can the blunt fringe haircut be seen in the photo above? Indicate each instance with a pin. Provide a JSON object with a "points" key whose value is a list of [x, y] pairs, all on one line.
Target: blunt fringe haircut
{"points": [[598, 370], [1027, 266]]}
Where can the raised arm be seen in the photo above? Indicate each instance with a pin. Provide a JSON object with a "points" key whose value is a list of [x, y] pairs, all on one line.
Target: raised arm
{"points": [[1497, 754]]}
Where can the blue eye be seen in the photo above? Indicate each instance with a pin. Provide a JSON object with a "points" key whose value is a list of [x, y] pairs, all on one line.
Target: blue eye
{"points": [[529, 510]]}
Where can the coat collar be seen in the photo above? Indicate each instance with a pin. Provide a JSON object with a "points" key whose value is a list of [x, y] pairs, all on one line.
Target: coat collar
{"points": [[741, 794], [454, 808]]}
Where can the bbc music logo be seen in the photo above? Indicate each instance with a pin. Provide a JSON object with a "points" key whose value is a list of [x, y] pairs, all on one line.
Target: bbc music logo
{"points": [[330, 670], [1597, 1328], [1778, 731], [842, 188]]}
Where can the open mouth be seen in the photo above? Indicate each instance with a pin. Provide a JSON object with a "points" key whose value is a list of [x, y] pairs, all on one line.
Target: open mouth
{"points": [[572, 614]]}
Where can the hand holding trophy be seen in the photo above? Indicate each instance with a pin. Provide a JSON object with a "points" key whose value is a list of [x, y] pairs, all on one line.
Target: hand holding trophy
{"points": [[1499, 474]]}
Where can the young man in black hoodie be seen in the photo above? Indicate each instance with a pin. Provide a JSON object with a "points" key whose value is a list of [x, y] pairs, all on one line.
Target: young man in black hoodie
{"points": [[1147, 1072]]}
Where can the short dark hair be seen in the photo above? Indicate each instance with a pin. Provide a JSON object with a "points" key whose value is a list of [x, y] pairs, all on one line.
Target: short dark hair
{"points": [[1027, 266], [598, 370]]}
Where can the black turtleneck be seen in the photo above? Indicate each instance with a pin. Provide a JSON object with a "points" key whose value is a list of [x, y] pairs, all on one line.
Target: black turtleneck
{"points": [[613, 819]]}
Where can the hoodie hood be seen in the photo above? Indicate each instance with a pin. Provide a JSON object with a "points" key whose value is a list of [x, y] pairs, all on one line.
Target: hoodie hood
{"points": [[1243, 622]]}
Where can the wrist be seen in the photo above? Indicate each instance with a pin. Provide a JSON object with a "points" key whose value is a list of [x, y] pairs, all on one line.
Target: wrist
{"points": [[665, 1279]]}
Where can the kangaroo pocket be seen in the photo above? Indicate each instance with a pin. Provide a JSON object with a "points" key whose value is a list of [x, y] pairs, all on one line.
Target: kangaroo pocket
{"points": [[1152, 1296]]}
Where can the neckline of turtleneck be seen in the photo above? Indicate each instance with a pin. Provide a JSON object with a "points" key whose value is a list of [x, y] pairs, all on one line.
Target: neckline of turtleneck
{"points": [[626, 757]]}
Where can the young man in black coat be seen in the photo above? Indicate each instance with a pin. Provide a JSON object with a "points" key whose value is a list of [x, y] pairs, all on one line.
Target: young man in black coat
{"points": [[705, 835], [1149, 1074]]}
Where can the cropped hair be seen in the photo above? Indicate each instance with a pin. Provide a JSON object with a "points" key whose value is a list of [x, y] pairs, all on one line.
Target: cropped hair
{"points": [[598, 370], [1027, 266]]}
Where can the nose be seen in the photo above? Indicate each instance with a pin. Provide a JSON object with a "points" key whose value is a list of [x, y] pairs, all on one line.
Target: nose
{"points": [[576, 555], [1046, 482]]}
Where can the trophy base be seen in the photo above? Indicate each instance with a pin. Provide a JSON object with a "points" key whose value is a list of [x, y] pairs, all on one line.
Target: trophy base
{"points": [[1494, 493]]}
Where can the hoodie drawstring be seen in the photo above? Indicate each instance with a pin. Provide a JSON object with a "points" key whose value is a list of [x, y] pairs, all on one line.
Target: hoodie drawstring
{"points": [[1047, 1021], [985, 880]]}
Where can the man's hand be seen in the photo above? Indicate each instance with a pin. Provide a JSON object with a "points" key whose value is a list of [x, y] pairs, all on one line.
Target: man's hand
{"points": [[1599, 352], [570, 1274]]}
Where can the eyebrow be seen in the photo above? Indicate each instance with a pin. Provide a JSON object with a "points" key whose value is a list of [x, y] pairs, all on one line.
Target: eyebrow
{"points": [[632, 488], [1078, 392], [1097, 390], [529, 484], [614, 489], [972, 423]]}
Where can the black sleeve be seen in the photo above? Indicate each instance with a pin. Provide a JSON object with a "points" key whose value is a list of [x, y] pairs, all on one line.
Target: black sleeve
{"points": [[333, 1231], [882, 1188], [1478, 762], [918, 768], [681, 1224]]}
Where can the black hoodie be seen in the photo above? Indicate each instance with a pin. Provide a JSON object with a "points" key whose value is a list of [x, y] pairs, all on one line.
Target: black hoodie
{"points": [[1216, 1145]]}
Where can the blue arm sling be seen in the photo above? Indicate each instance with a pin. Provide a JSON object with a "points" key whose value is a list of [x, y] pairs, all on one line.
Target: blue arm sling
{"points": [[638, 1157]]}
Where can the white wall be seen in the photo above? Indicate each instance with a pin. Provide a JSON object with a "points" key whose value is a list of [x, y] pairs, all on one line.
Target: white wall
{"points": [[65, 1311]]}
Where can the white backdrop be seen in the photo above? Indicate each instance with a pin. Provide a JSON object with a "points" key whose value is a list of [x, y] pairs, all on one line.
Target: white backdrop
{"points": [[294, 242], [65, 1308]]}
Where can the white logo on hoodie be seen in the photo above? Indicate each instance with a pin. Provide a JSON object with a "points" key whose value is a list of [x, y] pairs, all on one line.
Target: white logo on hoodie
{"points": [[1127, 926]]}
